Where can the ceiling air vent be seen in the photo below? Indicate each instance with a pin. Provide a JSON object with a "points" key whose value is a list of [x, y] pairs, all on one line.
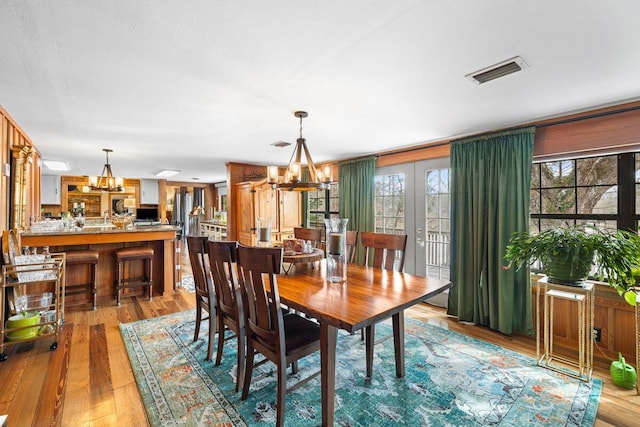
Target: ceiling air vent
{"points": [[501, 69], [281, 144]]}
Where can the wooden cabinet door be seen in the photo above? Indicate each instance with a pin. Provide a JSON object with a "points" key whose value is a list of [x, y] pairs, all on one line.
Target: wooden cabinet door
{"points": [[266, 207], [245, 217], [289, 211]]}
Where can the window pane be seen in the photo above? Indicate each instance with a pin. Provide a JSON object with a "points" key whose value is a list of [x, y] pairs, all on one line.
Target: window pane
{"points": [[534, 202], [597, 170], [535, 175], [444, 206], [557, 174], [558, 200], [598, 200]]}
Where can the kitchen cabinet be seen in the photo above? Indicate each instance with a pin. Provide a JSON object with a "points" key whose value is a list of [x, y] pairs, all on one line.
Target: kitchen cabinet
{"points": [[50, 190], [149, 194], [259, 200]]}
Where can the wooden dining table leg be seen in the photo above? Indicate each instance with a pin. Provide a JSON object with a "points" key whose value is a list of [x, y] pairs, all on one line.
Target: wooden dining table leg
{"points": [[328, 339], [398, 342]]}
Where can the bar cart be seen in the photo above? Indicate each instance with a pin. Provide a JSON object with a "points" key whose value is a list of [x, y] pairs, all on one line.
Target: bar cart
{"points": [[31, 300]]}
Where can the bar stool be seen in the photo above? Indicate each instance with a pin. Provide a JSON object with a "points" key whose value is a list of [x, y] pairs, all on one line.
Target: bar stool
{"points": [[123, 278], [77, 258]]}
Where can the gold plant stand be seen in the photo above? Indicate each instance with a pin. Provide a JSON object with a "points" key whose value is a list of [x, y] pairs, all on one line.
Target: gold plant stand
{"points": [[584, 297]]}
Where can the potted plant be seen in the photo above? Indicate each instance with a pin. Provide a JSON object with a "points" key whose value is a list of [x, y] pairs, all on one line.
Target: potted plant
{"points": [[567, 255]]}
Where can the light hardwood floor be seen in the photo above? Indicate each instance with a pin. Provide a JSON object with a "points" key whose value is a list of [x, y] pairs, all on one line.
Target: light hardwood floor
{"points": [[87, 380]]}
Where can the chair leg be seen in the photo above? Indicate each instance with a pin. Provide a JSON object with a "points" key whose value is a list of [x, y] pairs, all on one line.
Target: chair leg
{"points": [[282, 390], [248, 371], [212, 334], [369, 342], [241, 357], [198, 320], [220, 341]]}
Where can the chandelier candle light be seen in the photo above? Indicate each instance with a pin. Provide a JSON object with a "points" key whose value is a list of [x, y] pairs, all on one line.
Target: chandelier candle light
{"points": [[106, 182], [292, 180]]}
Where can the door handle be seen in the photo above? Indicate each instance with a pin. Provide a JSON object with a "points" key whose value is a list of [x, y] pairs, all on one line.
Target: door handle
{"points": [[420, 241]]}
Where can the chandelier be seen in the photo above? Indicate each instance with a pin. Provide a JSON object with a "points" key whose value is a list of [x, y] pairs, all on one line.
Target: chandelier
{"points": [[106, 181], [292, 179]]}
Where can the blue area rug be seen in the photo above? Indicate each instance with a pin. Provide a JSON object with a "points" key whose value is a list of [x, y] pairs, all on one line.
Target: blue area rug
{"points": [[451, 380]]}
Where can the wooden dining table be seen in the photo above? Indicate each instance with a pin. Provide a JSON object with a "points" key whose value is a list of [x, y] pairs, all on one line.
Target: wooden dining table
{"points": [[368, 296]]}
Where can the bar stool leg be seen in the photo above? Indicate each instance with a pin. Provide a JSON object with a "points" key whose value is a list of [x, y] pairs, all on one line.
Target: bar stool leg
{"points": [[94, 285], [118, 282], [149, 266]]}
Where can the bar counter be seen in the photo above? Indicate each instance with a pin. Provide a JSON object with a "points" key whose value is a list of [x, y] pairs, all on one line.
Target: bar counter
{"points": [[105, 240]]}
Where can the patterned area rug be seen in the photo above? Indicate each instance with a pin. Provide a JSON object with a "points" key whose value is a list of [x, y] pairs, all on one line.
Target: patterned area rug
{"points": [[451, 380], [187, 283]]}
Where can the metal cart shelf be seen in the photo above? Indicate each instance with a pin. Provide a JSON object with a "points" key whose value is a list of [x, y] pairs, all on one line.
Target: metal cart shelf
{"points": [[32, 287]]}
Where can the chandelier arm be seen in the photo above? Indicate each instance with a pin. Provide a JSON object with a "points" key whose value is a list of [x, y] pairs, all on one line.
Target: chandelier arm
{"points": [[312, 168]]}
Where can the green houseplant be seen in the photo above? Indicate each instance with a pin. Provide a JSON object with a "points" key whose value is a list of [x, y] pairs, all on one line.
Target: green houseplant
{"points": [[567, 255]]}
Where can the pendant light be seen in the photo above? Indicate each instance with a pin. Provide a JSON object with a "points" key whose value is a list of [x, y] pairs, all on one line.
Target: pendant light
{"points": [[292, 179]]}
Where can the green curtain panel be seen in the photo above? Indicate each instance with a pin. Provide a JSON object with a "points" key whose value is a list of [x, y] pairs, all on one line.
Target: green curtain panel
{"points": [[490, 184], [357, 195]]}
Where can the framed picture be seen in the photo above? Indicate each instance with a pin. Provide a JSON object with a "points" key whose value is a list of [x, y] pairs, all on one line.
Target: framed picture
{"points": [[116, 202]]}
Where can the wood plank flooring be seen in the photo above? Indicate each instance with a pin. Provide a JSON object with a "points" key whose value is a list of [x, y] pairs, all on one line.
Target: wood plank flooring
{"points": [[87, 380]]}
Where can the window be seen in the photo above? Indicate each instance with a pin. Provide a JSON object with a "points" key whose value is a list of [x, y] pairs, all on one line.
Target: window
{"points": [[322, 204], [575, 191], [389, 203]]}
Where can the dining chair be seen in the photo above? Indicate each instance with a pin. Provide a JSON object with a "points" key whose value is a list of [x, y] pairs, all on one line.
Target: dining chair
{"points": [[205, 293], [352, 246], [313, 234], [223, 258], [385, 251], [279, 337]]}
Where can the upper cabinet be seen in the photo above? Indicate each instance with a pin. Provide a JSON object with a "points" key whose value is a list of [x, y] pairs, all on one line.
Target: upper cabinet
{"points": [[149, 194], [50, 190]]}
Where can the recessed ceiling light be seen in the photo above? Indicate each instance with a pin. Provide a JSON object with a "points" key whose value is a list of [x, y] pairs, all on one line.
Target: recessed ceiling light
{"points": [[165, 173], [56, 165]]}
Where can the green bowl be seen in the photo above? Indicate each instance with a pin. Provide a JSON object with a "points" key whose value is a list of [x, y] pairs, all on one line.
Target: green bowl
{"points": [[23, 320]]}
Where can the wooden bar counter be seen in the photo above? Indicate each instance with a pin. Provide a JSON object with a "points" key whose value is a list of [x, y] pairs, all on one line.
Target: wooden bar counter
{"points": [[105, 240]]}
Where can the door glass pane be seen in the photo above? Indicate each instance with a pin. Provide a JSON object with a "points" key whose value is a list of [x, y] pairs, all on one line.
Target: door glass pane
{"points": [[438, 212]]}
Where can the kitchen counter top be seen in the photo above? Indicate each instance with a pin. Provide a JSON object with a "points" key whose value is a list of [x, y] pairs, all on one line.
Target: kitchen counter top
{"points": [[96, 229]]}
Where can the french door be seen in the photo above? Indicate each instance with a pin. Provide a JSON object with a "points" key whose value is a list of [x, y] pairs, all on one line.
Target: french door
{"points": [[414, 198]]}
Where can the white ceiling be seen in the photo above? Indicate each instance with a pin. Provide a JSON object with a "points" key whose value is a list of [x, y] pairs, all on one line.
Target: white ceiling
{"points": [[191, 85]]}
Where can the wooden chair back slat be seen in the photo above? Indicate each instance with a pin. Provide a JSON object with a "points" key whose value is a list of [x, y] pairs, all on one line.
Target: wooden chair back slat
{"points": [[352, 246]]}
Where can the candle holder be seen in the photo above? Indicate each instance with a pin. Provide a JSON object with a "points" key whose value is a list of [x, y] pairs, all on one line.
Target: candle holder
{"points": [[263, 231], [336, 249]]}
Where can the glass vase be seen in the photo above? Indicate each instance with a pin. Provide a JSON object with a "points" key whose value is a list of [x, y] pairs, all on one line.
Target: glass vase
{"points": [[336, 249]]}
